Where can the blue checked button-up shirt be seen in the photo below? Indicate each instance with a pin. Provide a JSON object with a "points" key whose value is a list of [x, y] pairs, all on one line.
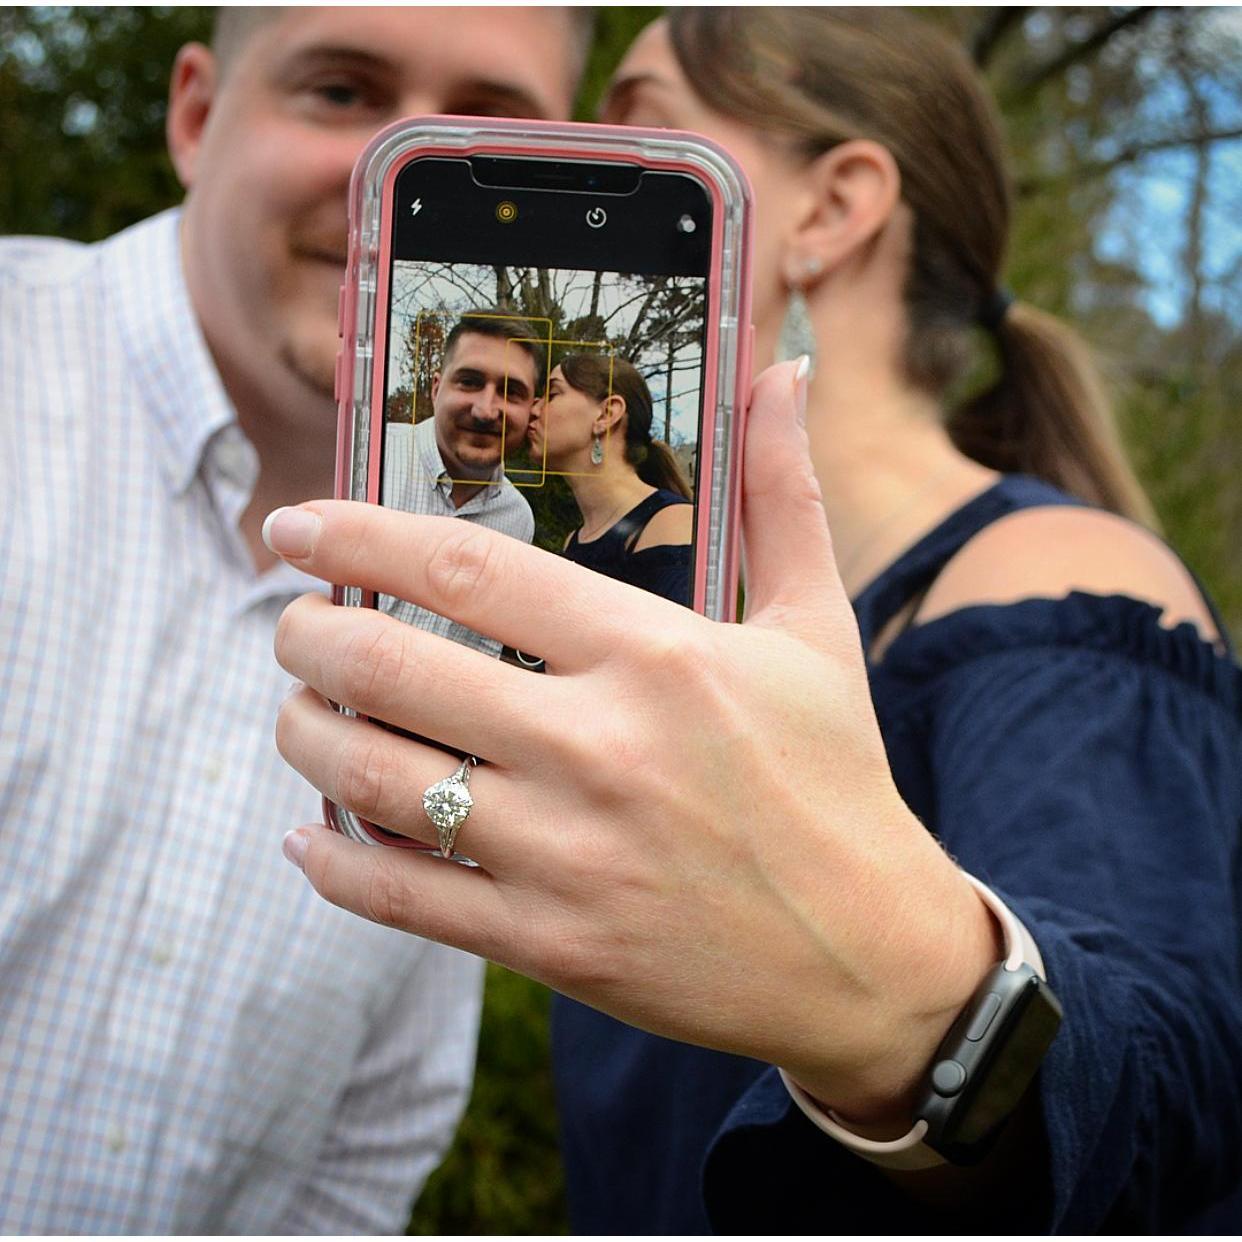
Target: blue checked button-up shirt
{"points": [[190, 1039], [416, 481]]}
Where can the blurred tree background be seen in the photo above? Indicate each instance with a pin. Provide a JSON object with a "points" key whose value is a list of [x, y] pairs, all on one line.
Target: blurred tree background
{"points": [[1126, 128]]}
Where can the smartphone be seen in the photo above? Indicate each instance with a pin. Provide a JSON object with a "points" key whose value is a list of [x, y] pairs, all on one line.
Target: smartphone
{"points": [[546, 330]]}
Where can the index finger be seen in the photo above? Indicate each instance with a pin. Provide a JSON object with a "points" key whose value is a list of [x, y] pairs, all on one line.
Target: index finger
{"points": [[499, 586]]}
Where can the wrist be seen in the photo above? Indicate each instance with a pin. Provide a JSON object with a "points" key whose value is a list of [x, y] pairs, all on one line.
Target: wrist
{"points": [[979, 1073], [949, 943]]}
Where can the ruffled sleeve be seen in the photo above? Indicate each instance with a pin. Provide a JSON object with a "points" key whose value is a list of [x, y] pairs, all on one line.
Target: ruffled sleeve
{"points": [[1086, 763]]}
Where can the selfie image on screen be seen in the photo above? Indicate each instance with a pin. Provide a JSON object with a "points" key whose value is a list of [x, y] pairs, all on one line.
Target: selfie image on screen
{"points": [[557, 406]]}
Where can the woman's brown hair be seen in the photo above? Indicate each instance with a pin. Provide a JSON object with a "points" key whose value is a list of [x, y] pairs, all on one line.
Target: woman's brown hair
{"points": [[601, 376], [827, 75]]}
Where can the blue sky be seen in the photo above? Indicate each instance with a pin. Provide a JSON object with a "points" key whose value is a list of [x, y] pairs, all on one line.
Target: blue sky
{"points": [[1148, 224]]}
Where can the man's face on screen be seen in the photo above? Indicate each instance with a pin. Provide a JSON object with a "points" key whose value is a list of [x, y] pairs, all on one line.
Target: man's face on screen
{"points": [[482, 400]]}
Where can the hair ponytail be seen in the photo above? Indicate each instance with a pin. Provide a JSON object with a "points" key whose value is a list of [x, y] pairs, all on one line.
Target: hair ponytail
{"points": [[1047, 415], [822, 76], [661, 469]]}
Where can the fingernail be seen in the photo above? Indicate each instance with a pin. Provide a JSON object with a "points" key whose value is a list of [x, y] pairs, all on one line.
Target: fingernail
{"points": [[292, 532], [800, 385], [295, 845]]}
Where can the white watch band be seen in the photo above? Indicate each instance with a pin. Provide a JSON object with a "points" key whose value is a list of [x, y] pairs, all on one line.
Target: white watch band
{"points": [[909, 1151]]}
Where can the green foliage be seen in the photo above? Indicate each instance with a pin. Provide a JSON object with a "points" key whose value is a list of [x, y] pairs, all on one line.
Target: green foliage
{"points": [[503, 1174], [1186, 441], [615, 28], [83, 95]]}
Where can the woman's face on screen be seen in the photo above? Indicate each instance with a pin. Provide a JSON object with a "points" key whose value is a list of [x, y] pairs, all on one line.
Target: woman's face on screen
{"points": [[563, 424]]}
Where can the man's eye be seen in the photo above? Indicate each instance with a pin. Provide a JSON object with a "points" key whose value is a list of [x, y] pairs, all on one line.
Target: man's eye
{"points": [[339, 94]]}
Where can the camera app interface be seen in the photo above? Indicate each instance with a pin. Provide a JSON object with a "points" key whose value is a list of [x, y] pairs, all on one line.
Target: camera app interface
{"points": [[559, 405]]}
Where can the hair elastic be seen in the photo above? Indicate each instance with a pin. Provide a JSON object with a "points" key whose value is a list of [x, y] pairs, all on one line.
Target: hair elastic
{"points": [[994, 308]]}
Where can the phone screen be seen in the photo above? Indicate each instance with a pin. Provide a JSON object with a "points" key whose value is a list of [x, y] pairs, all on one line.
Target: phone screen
{"points": [[545, 361]]}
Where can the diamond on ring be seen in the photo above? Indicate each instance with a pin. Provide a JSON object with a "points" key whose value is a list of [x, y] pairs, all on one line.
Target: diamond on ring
{"points": [[448, 804]]}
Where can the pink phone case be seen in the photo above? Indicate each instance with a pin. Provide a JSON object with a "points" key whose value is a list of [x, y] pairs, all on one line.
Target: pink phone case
{"points": [[728, 345]]}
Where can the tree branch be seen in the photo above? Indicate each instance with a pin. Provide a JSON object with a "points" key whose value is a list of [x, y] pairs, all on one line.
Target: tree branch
{"points": [[991, 32], [1027, 186], [1034, 78]]}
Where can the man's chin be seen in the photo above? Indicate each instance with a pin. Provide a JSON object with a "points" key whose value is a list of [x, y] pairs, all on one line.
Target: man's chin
{"points": [[313, 365], [484, 472], [474, 469]]}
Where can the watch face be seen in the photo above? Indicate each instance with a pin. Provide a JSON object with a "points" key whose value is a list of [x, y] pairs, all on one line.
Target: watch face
{"points": [[1020, 1051], [988, 1060]]}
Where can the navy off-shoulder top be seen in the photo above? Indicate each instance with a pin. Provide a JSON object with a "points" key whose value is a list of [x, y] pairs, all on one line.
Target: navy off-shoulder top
{"points": [[663, 569], [1087, 764]]}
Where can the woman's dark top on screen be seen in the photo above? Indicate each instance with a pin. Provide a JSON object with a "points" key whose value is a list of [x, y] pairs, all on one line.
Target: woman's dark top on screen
{"points": [[1087, 764], [663, 569]]}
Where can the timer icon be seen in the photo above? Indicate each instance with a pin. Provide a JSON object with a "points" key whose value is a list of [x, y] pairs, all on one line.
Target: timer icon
{"points": [[597, 217]]}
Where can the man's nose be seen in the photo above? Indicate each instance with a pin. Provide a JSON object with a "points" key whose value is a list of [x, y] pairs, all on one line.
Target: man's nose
{"points": [[489, 404]]}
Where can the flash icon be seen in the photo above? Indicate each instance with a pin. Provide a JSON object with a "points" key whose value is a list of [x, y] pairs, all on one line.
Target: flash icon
{"points": [[416, 206]]}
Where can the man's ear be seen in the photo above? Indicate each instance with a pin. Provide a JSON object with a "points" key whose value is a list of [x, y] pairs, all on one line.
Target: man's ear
{"points": [[190, 96], [851, 192]]}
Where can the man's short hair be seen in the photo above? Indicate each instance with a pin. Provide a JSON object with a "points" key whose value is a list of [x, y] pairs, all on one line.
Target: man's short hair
{"points": [[234, 26], [501, 325]]}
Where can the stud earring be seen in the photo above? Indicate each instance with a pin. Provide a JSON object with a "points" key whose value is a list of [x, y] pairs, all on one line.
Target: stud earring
{"points": [[812, 267]]}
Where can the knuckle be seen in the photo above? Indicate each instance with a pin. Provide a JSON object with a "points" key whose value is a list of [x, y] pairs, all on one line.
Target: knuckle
{"points": [[387, 899], [614, 760], [351, 542], [461, 565], [374, 660], [362, 778], [682, 661], [564, 960], [666, 650], [584, 963]]}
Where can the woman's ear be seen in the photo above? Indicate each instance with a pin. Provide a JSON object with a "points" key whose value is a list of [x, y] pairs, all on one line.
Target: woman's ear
{"points": [[611, 412], [850, 192], [190, 96]]}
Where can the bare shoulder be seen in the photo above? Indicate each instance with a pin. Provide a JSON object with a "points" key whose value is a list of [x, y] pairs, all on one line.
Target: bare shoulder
{"points": [[1049, 552], [673, 524]]}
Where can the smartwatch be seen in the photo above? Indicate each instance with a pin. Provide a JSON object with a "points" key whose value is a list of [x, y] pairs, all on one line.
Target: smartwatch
{"points": [[982, 1068]]}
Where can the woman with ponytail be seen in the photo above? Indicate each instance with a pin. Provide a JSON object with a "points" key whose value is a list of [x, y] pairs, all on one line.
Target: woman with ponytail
{"points": [[980, 712], [1031, 671], [594, 429]]}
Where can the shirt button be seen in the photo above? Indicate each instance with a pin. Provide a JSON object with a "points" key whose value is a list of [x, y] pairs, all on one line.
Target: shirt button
{"points": [[161, 955], [115, 1140], [213, 770]]}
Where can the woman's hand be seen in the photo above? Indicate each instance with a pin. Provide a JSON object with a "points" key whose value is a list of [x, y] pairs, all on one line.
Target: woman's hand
{"points": [[689, 825]]}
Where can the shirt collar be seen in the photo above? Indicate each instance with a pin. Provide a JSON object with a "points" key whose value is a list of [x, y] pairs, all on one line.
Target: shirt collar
{"points": [[170, 364]]}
